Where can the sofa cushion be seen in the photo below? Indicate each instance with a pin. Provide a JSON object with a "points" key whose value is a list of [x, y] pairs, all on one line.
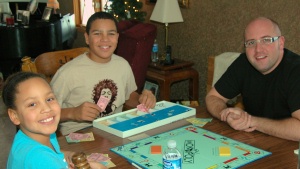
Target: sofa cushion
{"points": [[124, 25], [135, 45]]}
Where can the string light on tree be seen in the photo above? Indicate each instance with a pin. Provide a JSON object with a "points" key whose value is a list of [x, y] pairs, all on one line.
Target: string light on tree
{"points": [[127, 10]]}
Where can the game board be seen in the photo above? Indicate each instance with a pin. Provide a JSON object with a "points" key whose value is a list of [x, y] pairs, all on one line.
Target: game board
{"points": [[132, 122], [199, 149]]}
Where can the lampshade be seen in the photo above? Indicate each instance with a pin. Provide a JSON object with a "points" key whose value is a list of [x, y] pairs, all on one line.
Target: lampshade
{"points": [[166, 11], [53, 4]]}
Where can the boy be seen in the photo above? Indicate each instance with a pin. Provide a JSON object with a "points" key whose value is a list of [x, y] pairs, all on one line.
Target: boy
{"points": [[80, 83]]}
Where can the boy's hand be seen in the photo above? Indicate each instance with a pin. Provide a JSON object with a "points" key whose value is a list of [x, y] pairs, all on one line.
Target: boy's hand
{"points": [[86, 112], [148, 99]]}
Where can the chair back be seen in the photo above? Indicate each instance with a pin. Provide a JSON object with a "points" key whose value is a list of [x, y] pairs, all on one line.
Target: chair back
{"points": [[216, 66], [48, 63], [210, 72]]}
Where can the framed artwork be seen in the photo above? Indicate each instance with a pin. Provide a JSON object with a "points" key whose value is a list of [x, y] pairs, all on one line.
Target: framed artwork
{"points": [[32, 6], [46, 14], [4, 16], [25, 17], [152, 87], [19, 15], [183, 3]]}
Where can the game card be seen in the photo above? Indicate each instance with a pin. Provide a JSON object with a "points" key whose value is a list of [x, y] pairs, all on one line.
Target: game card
{"points": [[143, 108], [102, 102], [101, 158], [98, 157], [80, 137]]}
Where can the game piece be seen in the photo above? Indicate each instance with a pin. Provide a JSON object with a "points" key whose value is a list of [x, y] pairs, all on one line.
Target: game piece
{"points": [[156, 149], [102, 102], [80, 161], [224, 151]]}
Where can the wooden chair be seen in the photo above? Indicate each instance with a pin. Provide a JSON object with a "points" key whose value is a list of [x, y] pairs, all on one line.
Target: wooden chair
{"points": [[48, 63], [210, 72], [210, 78]]}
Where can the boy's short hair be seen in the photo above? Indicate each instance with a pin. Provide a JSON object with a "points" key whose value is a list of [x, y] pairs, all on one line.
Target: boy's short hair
{"points": [[99, 15]]}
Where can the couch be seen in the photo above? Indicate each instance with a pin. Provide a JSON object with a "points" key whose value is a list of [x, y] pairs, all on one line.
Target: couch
{"points": [[135, 45]]}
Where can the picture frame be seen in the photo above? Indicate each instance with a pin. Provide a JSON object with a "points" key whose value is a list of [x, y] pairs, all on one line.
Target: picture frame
{"points": [[32, 6], [152, 87], [183, 3], [19, 15], [4, 16], [25, 17], [46, 14]]}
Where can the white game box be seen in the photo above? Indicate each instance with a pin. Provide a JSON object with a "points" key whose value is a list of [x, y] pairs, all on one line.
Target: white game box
{"points": [[133, 121]]}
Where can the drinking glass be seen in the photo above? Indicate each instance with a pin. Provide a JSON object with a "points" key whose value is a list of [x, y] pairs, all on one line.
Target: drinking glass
{"points": [[10, 21]]}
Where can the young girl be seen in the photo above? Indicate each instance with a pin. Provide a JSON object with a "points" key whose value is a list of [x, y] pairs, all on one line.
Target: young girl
{"points": [[33, 107]]}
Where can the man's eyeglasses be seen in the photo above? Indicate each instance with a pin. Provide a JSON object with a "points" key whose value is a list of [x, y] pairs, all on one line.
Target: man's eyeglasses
{"points": [[265, 41]]}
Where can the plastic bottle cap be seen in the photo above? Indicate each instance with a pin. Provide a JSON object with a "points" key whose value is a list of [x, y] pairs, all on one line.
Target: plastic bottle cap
{"points": [[171, 143]]}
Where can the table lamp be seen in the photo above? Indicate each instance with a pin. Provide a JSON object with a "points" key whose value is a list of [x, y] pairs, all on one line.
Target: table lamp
{"points": [[53, 4], [166, 11]]}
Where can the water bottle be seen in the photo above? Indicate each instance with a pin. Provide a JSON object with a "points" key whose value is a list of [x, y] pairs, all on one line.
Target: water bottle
{"points": [[154, 53], [172, 157]]}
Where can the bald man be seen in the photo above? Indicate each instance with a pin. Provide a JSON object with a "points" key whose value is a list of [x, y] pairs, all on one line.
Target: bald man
{"points": [[268, 78]]}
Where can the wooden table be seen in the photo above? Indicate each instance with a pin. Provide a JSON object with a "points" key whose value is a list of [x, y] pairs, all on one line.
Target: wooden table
{"points": [[282, 150], [166, 75]]}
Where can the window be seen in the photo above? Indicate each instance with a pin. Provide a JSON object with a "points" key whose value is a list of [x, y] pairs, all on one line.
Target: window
{"points": [[83, 9]]}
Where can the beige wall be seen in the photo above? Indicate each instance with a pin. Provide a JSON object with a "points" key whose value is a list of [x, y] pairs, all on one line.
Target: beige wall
{"points": [[211, 27]]}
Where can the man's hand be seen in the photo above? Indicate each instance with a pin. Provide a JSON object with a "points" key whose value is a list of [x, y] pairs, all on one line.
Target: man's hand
{"points": [[237, 118], [148, 99], [86, 112]]}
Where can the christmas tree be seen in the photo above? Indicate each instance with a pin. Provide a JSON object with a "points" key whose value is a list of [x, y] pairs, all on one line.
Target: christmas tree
{"points": [[127, 10]]}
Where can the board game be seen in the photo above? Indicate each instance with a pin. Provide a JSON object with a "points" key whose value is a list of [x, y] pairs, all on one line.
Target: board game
{"points": [[200, 149], [133, 121]]}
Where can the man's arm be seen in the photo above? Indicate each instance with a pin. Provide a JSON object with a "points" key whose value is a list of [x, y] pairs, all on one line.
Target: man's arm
{"points": [[215, 103], [237, 118], [286, 128]]}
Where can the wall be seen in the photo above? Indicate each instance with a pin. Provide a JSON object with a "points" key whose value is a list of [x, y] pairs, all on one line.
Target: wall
{"points": [[211, 27]]}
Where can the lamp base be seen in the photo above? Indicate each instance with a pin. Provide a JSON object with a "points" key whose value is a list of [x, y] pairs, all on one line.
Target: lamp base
{"points": [[169, 60]]}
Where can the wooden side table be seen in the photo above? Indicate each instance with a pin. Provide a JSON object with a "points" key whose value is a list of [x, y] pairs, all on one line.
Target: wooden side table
{"points": [[165, 75]]}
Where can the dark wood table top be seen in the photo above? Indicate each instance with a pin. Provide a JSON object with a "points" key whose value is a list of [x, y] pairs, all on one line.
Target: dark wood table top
{"points": [[282, 150], [177, 64]]}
